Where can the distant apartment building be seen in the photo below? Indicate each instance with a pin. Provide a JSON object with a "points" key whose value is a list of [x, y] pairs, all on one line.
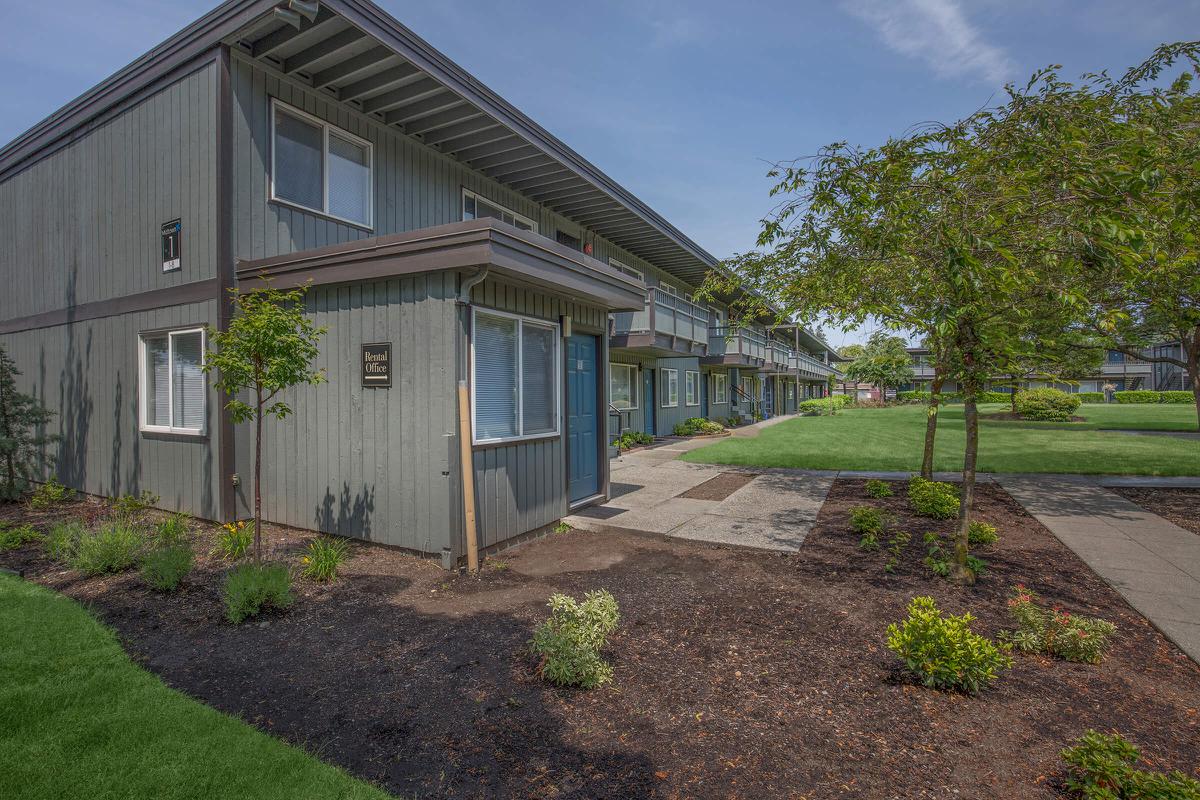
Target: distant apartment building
{"points": [[1119, 370]]}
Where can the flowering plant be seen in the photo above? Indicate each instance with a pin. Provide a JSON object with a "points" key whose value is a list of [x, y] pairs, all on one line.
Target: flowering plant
{"points": [[1072, 637]]}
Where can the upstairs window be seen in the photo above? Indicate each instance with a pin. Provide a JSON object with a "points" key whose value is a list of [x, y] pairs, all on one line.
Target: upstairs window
{"points": [[476, 207], [172, 385], [318, 167], [564, 238], [632, 272], [515, 378]]}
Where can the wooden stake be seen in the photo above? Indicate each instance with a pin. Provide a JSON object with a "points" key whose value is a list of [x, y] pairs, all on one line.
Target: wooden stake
{"points": [[468, 476]]}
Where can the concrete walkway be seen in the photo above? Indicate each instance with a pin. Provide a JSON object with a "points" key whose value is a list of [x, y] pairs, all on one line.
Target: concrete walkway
{"points": [[1153, 563]]}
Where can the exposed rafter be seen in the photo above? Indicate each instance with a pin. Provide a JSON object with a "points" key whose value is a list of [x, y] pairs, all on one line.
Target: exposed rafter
{"points": [[281, 36], [322, 49], [351, 66], [380, 80]]}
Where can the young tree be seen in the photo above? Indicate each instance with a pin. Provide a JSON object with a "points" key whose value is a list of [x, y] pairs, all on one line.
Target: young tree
{"points": [[884, 361], [22, 442], [268, 347]]}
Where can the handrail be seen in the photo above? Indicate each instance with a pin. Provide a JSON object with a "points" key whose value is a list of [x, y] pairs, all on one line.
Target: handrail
{"points": [[755, 404]]}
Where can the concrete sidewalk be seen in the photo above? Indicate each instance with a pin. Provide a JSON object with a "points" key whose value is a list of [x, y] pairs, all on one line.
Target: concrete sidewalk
{"points": [[1152, 562]]}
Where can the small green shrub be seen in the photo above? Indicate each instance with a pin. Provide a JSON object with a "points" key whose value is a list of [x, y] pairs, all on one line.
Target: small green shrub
{"points": [[1070, 637], [562, 527], [325, 555], [868, 522], [250, 588], [943, 652], [50, 494], [116, 547], [1090, 397], [131, 506], [1137, 396], [1175, 396], [631, 439], [993, 397], [981, 533], [913, 396], [12, 538], [570, 641], [878, 489], [234, 540], [164, 567], [937, 558], [933, 498], [1047, 405], [896, 545], [63, 539], [173, 531], [1101, 767], [698, 426]]}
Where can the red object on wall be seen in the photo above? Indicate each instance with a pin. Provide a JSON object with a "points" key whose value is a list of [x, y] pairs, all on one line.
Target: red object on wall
{"points": [[587, 249]]}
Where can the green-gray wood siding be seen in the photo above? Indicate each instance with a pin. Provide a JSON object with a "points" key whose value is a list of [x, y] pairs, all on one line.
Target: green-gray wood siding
{"points": [[666, 417]]}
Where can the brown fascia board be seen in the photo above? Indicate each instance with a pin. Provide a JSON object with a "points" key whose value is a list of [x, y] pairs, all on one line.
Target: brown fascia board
{"points": [[502, 248]]}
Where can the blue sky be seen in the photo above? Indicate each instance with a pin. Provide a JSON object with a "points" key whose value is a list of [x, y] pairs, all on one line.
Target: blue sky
{"points": [[685, 102]]}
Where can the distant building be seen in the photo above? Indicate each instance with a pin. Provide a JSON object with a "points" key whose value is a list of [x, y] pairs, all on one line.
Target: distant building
{"points": [[1121, 371]]}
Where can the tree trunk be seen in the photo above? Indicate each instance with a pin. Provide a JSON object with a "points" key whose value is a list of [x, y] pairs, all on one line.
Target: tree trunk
{"points": [[258, 412], [1013, 394], [958, 569], [931, 421]]}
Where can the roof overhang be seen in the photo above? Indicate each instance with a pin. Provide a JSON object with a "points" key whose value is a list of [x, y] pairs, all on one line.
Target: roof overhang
{"points": [[518, 256]]}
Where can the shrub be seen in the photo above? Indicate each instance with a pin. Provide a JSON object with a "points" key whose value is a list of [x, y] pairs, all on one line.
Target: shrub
{"points": [[249, 588], [631, 439], [896, 545], [114, 548], [878, 489], [172, 532], [131, 506], [869, 522], [1176, 397], [1047, 405], [63, 539], [1101, 767], [164, 567], [938, 560], [12, 538], [915, 396], [1137, 396], [943, 652], [1090, 397], [932, 498], [698, 426], [562, 527], [993, 397], [325, 555], [50, 495], [981, 533], [569, 642], [1068, 636], [234, 540]]}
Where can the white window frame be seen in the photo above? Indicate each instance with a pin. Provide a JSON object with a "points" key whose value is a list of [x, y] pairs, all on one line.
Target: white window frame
{"points": [[522, 321], [143, 382], [278, 105], [671, 386], [633, 386], [462, 209], [632, 272], [720, 388], [691, 388]]}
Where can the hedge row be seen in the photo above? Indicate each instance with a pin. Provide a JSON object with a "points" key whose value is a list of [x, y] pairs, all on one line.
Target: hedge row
{"points": [[1090, 397], [820, 405], [1147, 396]]}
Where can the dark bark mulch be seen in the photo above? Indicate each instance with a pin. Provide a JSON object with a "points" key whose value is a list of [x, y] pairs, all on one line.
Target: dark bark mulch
{"points": [[737, 674], [1181, 506], [720, 487]]}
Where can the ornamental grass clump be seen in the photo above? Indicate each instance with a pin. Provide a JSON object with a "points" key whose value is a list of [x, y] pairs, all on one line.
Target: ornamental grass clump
{"points": [[116, 547], [164, 567], [325, 554], [251, 588], [62, 540], [570, 641], [1071, 637], [932, 498], [943, 652], [1101, 767], [878, 489]]}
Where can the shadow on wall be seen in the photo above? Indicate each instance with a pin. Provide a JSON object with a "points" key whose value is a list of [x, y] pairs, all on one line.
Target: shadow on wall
{"points": [[352, 516], [74, 400]]}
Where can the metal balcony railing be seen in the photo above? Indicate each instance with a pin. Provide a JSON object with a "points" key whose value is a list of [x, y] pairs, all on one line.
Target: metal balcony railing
{"points": [[667, 314], [748, 342]]}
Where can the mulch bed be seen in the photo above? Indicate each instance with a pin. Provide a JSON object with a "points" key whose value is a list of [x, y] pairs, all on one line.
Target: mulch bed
{"points": [[737, 674], [720, 487], [1181, 506]]}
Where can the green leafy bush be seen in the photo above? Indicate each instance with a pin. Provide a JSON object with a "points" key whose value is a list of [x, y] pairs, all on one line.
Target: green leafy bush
{"points": [[913, 396], [570, 641], [878, 489], [1137, 396], [249, 588], [234, 540], [631, 439], [164, 567], [1047, 405], [325, 555], [896, 544], [932, 498], [698, 426], [1101, 767], [63, 539], [133, 506], [981, 533], [1090, 397], [993, 397], [12, 538], [943, 652], [869, 523], [1175, 396], [1071, 637], [937, 558], [50, 494], [115, 547], [173, 531]]}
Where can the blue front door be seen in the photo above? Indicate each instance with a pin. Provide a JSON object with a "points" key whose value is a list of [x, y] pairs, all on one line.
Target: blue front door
{"points": [[583, 419], [648, 399], [703, 378], [768, 397]]}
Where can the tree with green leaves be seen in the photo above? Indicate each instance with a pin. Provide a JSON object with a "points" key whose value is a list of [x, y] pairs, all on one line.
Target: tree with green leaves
{"points": [[23, 439], [884, 362], [268, 348]]}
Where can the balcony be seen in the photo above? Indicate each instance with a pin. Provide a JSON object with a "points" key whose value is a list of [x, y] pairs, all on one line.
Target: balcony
{"points": [[737, 347], [666, 326], [810, 367]]}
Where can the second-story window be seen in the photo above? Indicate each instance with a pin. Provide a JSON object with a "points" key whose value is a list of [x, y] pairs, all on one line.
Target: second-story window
{"points": [[319, 167], [476, 207]]}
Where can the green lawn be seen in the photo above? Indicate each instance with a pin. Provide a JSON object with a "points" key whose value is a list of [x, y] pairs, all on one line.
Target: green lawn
{"points": [[79, 719], [893, 438]]}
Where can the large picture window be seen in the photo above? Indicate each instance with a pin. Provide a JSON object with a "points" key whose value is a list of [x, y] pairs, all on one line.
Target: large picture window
{"points": [[622, 386], [670, 388], [691, 388], [514, 378], [476, 207], [319, 167], [720, 388], [172, 384]]}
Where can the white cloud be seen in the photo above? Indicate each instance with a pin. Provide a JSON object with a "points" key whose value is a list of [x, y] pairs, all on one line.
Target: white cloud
{"points": [[936, 32]]}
